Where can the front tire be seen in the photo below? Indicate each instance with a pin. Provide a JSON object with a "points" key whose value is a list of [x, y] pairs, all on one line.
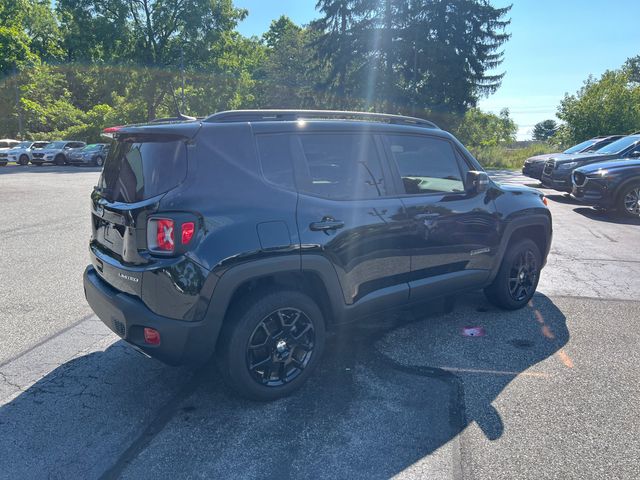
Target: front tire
{"points": [[629, 200], [98, 162], [270, 344], [24, 160], [60, 160], [518, 277]]}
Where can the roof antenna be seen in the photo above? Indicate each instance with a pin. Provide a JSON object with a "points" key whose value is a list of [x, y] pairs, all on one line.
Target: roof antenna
{"points": [[180, 117]]}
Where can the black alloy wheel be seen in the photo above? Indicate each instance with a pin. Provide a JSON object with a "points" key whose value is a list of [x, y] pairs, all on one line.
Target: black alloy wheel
{"points": [[518, 276], [60, 160], [280, 347], [271, 341], [523, 276], [24, 160]]}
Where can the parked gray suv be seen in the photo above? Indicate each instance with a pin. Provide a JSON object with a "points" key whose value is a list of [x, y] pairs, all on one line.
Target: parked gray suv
{"points": [[55, 152]]}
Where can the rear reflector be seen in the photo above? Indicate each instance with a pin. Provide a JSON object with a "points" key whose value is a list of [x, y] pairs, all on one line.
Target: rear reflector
{"points": [[151, 336], [164, 235], [188, 229]]}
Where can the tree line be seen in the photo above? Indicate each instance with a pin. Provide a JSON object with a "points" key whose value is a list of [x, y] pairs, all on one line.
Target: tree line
{"points": [[71, 67]]}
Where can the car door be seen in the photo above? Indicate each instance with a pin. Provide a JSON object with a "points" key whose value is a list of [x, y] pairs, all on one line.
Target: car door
{"points": [[453, 233], [348, 214]]}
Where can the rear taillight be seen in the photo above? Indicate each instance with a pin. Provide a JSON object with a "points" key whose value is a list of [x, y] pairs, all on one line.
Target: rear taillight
{"points": [[164, 235], [188, 229], [151, 336], [170, 235]]}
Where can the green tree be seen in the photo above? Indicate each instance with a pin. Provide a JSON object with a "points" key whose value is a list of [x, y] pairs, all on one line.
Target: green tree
{"points": [[287, 77], [545, 130], [481, 129], [608, 105]]}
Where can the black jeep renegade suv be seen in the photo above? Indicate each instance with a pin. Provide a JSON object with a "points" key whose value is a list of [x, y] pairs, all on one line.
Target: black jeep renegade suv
{"points": [[252, 233]]}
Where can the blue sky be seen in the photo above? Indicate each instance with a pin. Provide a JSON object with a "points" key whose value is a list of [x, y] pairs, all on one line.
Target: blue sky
{"points": [[555, 46]]}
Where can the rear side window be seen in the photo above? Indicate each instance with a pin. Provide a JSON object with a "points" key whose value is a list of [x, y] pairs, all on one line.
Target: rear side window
{"points": [[138, 168], [426, 164], [275, 158], [341, 166]]}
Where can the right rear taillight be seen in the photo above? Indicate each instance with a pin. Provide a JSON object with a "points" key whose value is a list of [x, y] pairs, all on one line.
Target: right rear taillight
{"points": [[171, 235], [160, 235]]}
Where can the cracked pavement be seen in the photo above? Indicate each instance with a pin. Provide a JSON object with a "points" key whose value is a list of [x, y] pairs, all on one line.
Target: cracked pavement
{"points": [[549, 391]]}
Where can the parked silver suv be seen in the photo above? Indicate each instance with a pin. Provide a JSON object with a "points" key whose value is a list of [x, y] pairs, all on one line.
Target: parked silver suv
{"points": [[21, 153], [5, 145], [55, 152]]}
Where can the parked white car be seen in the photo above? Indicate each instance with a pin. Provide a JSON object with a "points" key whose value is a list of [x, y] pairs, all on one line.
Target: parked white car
{"points": [[22, 153], [5, 145]]}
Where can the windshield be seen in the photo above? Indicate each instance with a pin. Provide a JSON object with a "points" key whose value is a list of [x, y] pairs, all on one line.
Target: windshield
{"points": [[23, 145], [580, 147], [620, 145], [138, 168], [56, 145]]}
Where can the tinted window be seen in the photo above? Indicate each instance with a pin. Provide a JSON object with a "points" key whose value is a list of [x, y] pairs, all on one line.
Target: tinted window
{"points": [[138, 168], [426, 165], [579, 147], [275, 157], [341, 166], [619, 145]]}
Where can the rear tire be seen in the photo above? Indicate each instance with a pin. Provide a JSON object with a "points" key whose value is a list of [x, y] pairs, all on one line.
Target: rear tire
{"points": [[270, 344], [60, 160], [24, 160], [98, 162], [518, 277], [628, 203]]}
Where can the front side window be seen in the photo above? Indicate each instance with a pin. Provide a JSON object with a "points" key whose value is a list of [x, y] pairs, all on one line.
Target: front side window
{"points": [[426, 164], [341, 166]]}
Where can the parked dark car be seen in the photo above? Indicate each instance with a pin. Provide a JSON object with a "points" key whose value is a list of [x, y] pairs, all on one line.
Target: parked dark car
{"points": [[533, 166], [56, 152], [252, 233], [557, 170], [613, 185], [93, 154]]}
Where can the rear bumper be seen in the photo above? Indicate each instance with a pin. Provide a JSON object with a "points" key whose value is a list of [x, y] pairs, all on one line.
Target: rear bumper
{"points": [[180, 342]]}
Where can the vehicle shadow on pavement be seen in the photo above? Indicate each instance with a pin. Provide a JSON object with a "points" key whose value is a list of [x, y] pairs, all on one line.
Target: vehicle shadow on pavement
{"points": [[605, 216], [390, 395], [13, 169], [562, 198]]}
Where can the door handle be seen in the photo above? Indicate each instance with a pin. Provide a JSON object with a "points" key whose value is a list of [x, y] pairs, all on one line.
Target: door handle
{"points": [[326, 224]]}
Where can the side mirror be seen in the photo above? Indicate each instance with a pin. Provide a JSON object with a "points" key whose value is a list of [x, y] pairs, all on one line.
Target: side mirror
{"points": [[635, 154], [477, 182]]}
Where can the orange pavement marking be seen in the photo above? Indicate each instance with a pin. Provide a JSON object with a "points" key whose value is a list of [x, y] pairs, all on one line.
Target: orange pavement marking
{"points": [[496, 372], [564, 358]]}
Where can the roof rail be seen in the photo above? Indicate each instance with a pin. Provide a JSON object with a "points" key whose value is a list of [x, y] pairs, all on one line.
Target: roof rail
{"points": [[293, 115]]}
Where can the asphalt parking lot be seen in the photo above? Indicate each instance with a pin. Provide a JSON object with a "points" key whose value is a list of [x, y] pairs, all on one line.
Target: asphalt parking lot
{"points": [[550, 391]]}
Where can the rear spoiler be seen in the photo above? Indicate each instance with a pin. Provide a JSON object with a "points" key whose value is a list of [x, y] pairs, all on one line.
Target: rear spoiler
{"points": [[186, 129]]}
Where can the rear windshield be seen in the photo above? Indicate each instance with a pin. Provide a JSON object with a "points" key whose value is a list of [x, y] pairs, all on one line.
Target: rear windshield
{"points": [[138, 168]]}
